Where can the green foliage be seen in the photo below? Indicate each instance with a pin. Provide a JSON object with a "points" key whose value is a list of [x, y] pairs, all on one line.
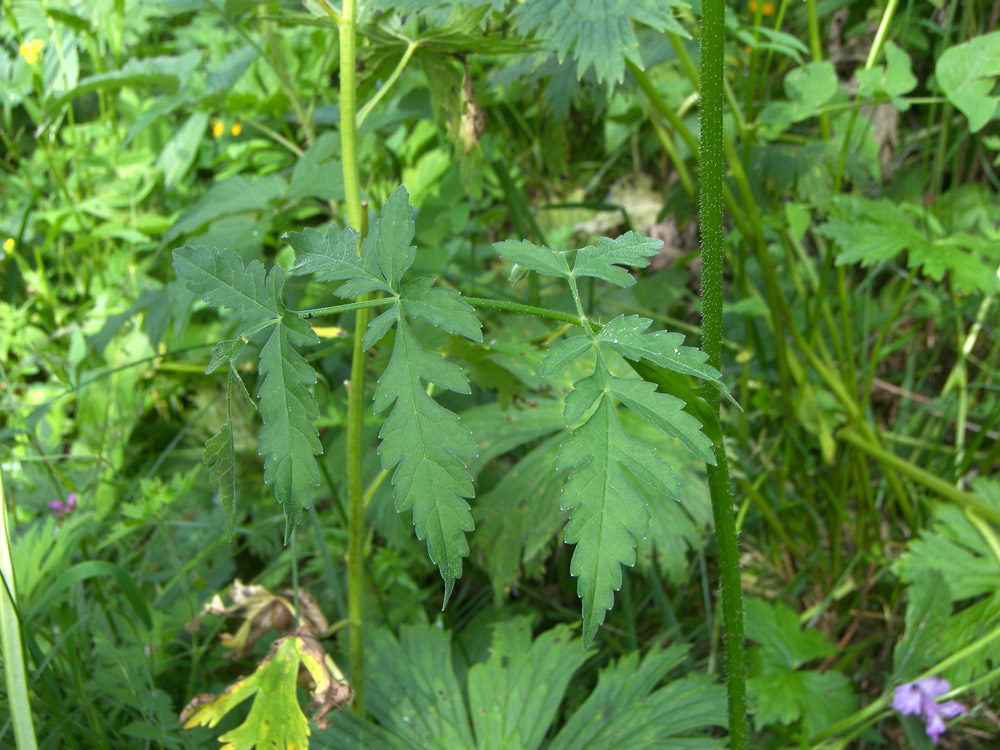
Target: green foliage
{"points": [[516, 691], [607, 514], [599, 35], [967, 73], [959, 549], [288, 437], [423, 442], [783, 693]]}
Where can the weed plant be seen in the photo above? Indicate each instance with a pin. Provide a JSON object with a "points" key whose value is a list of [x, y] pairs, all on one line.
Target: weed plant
{"points": [[544, 374]]}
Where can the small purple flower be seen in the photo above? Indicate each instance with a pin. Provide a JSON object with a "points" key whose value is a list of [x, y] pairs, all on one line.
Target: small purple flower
{"points": [[62, 509], [918, 698]]}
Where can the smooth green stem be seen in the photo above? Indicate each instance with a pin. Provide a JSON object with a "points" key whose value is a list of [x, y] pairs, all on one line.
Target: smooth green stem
{"points": [[928, 480], [356, 392], [10, 641], [393, 77], [816, 50], [883, 28], [712, 96]]}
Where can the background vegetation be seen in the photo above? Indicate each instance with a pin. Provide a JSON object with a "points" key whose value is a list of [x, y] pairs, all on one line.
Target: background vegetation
{"points": [[860, 340]]}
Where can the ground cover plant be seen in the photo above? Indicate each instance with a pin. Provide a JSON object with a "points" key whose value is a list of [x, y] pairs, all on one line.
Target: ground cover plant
{"points": [[544, 374]]}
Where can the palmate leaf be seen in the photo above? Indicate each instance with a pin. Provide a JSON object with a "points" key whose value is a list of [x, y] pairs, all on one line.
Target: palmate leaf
{"points": [[288, 438], [425, 444]]}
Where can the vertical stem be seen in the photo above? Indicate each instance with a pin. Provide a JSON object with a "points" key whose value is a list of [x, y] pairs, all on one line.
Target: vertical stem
{"points": [[712, 255], [10, 643], [356, 392]]}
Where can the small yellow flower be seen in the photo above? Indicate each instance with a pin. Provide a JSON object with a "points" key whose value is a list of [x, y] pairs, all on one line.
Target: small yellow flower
{"points": [[30, 50], [8, 245], [767, 9], [752, 5], [236, 129], [218, 128]]}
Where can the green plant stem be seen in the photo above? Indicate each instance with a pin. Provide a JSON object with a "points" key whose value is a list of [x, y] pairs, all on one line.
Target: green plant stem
{"points": [[356, 392], [928, 480], [712, 255], [10, 642], [393, 77]]}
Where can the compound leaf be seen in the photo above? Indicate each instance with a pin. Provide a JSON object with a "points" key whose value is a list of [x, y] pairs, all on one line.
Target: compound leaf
{"points": [[288, 439], [603, 260], [428, 446]]}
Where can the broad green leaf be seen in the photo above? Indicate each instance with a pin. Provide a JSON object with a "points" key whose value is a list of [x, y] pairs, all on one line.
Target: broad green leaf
{"points": [[220, 458], [391, 236], [597, 34], [236, 195], [607, 513], [967, 73], [664, 411], [565, 352], [785, 696], [603, 260], [808, 88], [895, 79], [780, 691], [533, 257], [442, 308], [776, 627], [962, 549], [417, 696], [275, 720], [178, 155], [288, 438], [626, 335], [428, 446], [318, 173], [626, 713], [333, 256], [221, 279], [514, 695]]}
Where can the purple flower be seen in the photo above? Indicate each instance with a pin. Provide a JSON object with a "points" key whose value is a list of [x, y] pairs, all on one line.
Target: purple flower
{"points": [[62, 509], [918, 698]]}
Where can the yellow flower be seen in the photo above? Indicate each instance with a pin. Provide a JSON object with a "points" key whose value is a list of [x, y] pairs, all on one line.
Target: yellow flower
{"points": [[752, 5], [8, 245], [767, 9], [30, 50], [218, 128], [236, 129]]}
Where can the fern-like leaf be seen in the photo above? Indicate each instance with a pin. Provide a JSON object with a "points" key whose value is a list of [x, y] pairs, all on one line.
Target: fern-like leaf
{"points": [[608, 515], [428, 446], [424, 444]]}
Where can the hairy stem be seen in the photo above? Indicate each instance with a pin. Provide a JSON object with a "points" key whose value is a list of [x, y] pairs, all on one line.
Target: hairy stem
{"points": [[711, 85]]}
